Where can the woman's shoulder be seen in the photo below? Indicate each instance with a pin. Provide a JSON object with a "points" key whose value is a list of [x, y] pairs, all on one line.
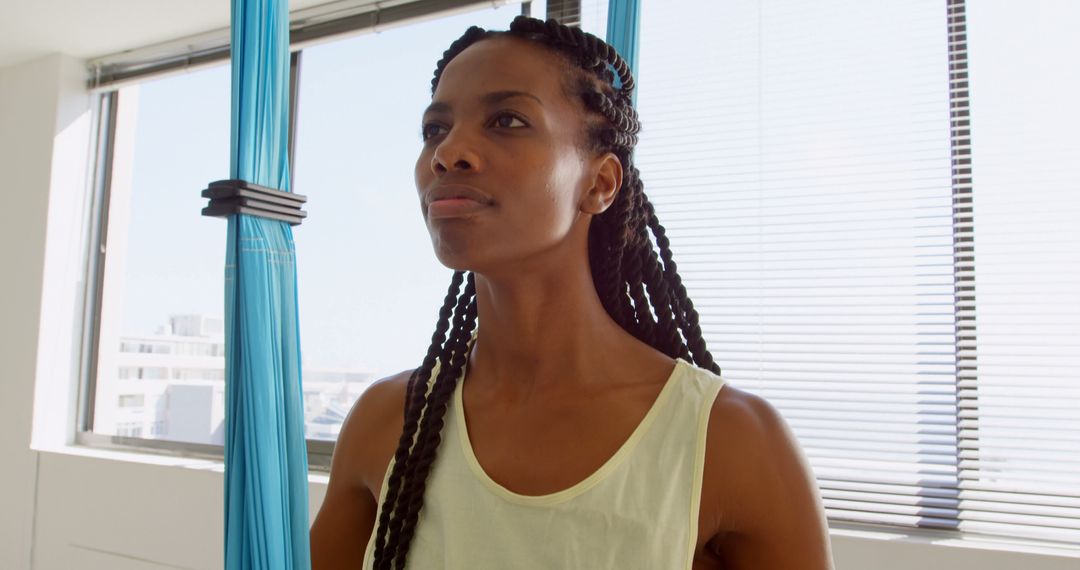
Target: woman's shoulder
{"points": [[754, 469], [744, 429], [363, 449], [369, 434]]}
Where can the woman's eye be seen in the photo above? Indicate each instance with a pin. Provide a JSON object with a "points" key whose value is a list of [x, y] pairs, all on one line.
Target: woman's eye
{"points": [[429, 130], [506, 120]]}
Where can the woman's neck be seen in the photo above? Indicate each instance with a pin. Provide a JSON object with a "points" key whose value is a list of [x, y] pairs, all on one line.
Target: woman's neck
{"points": [[543, 332]]}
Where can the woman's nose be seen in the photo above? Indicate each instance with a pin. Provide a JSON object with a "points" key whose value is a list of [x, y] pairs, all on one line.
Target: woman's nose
{"points": [[454, 153]]}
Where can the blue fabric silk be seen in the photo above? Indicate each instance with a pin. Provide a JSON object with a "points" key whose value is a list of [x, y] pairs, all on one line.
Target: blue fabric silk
{"points": [[623, 31], [266, 492]]}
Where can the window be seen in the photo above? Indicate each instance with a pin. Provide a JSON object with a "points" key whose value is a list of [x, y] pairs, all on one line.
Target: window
{"points": [[161, 332], [805, 183], [160, 315], [367, 310], [872, 205], [131, 400], [129, 429], [1020, 397], [809, 161]]}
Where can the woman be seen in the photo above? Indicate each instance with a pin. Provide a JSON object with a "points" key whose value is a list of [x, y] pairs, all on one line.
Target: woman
{"points": [[573, 429]]}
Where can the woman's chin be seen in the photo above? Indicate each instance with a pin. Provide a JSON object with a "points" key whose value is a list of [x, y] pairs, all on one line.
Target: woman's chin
{"points": [[456, 261]]}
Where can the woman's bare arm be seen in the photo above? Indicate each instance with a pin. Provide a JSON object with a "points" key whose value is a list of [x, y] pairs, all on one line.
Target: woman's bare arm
{"points": [[363, 450], [770, 515]]}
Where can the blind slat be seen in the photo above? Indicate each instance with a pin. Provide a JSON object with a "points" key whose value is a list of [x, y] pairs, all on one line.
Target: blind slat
{"points": [[820, 197]]}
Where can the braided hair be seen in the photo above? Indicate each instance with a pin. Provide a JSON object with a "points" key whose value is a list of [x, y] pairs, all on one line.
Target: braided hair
{"points": [[624, 265]]}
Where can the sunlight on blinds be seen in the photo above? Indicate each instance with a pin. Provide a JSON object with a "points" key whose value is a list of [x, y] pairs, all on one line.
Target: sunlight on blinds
{"points": [[1021, 405], [798, 154]]}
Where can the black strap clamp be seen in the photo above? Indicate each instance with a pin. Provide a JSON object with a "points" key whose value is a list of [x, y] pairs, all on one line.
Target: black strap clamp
{"points": [[236, 196]]}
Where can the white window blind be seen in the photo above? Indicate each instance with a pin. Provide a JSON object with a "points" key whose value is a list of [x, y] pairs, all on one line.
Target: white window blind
{"points": [[1020, 395], [798, 154], [813, 165]]}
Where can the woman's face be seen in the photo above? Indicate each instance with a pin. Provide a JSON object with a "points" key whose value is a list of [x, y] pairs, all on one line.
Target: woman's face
{"points": [[501, 127]]}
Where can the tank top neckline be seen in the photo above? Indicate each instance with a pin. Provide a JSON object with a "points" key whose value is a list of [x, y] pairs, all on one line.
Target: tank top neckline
{"points": [[585, 484]]}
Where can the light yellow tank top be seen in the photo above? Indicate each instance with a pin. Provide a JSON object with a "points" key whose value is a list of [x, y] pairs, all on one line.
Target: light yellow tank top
{"points": [[638, 510]]}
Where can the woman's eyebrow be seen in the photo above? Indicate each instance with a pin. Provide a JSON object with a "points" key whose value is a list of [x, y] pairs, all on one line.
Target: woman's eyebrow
{"points": [[488, 99]]}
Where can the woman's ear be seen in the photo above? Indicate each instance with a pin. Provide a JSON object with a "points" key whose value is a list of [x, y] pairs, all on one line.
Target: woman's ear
{"points": [[605, 184]]}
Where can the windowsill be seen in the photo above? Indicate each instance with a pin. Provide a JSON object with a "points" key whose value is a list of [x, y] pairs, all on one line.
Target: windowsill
{"points": [[925, 537], [136, 457], [929, 537], [193, 463]]}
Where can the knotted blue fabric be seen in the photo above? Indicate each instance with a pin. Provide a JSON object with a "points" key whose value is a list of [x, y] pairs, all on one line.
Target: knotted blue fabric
{"points": [[266, 488]]}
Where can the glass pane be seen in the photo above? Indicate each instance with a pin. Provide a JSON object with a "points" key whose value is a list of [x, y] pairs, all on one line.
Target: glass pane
{"points": [[1026, 201], [370, 285], [594, 17], [161, 359], [800, 163]]}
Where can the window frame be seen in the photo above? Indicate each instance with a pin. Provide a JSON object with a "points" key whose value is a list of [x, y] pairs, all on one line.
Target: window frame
{"points": [[320, 452], [107, 106], [107, 75]]}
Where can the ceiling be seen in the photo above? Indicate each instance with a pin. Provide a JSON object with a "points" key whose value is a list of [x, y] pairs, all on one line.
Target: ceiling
{"points": [[90, 28]]}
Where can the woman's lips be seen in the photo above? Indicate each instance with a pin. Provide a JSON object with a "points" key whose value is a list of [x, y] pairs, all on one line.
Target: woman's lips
{"points": [[454, 207]]}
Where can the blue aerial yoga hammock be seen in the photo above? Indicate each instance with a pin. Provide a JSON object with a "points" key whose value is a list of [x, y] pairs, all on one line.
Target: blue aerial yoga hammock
{"points": [[266, 485], [266, 492], [623, 30]]}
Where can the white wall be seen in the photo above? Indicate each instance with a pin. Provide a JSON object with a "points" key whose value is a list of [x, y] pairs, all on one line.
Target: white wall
{"points": [[28, 123], [68, 508]]}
